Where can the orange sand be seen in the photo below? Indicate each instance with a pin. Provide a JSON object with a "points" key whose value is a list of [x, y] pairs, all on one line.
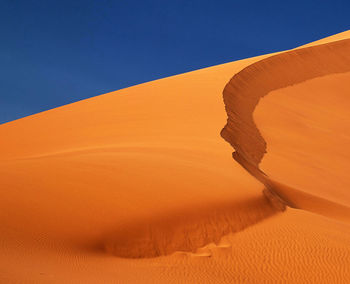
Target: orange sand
{"points": [[137, 186]]}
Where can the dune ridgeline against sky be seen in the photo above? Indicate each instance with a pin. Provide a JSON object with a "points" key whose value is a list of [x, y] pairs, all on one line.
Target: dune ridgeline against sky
{"points": [[139, 185]]}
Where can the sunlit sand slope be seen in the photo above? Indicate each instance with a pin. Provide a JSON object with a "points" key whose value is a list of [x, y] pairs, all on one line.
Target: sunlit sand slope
{"points": [[138, 186], [308, 125]]}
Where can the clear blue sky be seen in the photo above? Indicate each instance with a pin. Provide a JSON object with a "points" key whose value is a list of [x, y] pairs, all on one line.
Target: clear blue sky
{"points": [[57, 52]]}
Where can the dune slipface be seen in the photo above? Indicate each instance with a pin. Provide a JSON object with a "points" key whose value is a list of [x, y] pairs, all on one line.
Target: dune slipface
{"points": [[137, 186], [242, 95]]}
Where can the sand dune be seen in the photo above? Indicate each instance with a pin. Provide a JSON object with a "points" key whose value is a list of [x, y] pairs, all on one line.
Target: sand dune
{"points": [[137, 186], [246, 88], [243, 93]]}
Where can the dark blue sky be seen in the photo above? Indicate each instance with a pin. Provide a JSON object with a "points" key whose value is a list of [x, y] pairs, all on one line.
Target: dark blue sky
{"points": [[57, 52]]}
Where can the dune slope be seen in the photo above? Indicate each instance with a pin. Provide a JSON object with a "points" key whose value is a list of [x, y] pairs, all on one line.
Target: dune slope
{"points": [[302, 124], [137, 186]]}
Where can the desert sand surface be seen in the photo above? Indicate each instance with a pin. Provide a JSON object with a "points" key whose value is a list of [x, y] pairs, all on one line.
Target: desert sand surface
{"points": [[138, 185]]}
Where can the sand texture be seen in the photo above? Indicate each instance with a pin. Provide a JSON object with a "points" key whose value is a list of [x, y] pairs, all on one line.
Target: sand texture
{"points": [[139, 185]]}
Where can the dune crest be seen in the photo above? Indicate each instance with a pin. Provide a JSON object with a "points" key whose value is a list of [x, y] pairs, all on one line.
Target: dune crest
{"points": [[244, 91]]}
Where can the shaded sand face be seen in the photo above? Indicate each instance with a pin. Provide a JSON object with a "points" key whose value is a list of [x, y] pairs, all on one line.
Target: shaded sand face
{"points": [[137, 186]]}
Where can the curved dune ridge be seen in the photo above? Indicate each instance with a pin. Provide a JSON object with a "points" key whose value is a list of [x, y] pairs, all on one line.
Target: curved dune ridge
{"points": [[246, 88], [244, 91], [137, 186]]}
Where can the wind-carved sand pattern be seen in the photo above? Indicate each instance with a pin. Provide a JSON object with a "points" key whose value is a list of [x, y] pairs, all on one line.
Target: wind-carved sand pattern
{"points": [[243, 93], [190, 230]]}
